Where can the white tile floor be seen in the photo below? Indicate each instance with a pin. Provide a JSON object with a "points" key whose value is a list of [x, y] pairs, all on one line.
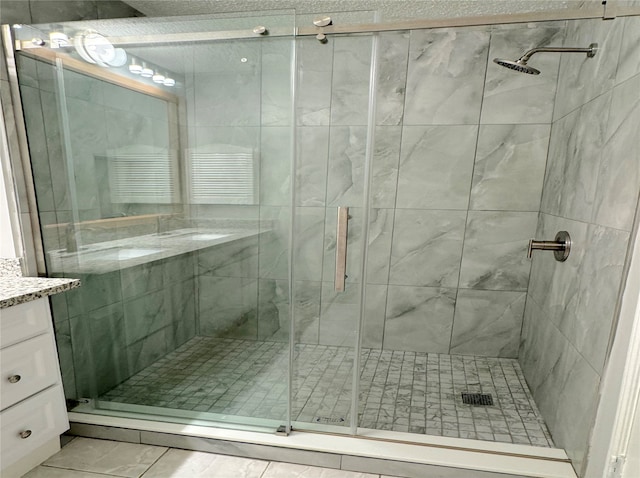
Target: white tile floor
{"points": [[400, 391], [90, 458]]}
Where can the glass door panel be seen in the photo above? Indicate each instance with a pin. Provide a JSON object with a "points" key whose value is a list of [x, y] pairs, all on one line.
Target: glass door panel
{"points": [[332, 108], [170, 149]]}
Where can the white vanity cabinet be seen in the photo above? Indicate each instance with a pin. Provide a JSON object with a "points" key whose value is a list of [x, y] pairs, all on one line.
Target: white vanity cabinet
{"points": [[33, 413]]}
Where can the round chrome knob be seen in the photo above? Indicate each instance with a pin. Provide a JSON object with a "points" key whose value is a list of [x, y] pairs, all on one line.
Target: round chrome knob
{"points": [[14, 378], [25, 434], [260, 30]]}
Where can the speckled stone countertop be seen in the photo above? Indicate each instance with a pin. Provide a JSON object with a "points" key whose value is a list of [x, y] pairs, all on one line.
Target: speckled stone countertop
{"points": [[15, 289]]}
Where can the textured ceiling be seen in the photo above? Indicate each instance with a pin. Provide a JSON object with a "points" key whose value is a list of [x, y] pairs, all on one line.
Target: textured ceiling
{"points": [[389, 9]]}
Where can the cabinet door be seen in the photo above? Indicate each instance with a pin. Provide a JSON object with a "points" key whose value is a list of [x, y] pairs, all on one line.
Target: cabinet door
{"points": [[31, 424], [27, 368]]}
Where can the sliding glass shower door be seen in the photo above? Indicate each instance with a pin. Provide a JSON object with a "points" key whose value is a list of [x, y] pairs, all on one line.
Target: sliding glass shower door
{"points": [[162, 153]]}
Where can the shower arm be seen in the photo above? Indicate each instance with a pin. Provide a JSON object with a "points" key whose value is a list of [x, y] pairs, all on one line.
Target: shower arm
{"points": [[590, 51]]}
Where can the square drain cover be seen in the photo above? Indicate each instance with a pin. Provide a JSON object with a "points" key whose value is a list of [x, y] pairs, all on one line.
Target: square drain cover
{"points": [[477, 398]]}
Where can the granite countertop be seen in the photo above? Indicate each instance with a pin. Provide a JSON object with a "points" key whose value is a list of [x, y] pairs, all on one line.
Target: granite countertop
{"points": [[103, 257], [16, 289]]}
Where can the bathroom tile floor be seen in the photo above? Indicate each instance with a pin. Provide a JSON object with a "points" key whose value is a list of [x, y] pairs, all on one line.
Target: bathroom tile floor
{"points": [[400, 391], [90, 458]]}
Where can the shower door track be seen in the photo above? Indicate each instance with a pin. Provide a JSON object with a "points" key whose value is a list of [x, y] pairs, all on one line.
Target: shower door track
{"points": [[364, 28], [364, 452]]}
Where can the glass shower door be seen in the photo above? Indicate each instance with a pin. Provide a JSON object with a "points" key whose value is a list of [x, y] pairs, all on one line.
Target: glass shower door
{"points": [[332, 174], [162, 160]]}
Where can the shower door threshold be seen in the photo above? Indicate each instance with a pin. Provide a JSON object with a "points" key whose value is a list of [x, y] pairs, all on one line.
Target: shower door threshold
{"points": [[372, 451]]}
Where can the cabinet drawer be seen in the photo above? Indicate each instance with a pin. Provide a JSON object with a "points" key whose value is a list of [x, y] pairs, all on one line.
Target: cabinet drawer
{"points": [[26, 368], [23, 321], [31, 423]]}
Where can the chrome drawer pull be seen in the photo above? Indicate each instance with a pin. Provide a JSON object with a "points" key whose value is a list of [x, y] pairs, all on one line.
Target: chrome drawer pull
{"points": [[14, 378], [25, 434]]}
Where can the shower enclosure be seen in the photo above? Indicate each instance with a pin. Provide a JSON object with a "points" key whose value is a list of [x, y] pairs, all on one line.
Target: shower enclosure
{"points": [[279, 231]]}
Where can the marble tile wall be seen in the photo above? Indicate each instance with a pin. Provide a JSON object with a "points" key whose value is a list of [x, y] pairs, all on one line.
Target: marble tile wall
{"points": [[460, 155], [591, 189], [457, 182]]}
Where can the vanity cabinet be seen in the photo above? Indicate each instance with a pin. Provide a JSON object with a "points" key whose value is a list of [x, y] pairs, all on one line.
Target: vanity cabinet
{"points": [[33, 413]]}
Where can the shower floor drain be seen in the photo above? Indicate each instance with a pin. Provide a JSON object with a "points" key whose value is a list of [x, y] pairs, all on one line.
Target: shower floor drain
{"points": [[328, 420], [477, 399]]}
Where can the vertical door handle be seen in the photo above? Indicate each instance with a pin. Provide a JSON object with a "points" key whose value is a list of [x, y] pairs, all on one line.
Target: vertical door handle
{"points": [[341, 248]]}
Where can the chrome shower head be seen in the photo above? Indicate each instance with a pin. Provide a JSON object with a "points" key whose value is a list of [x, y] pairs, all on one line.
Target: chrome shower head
{"points": [[521, 66], [518, 65]]}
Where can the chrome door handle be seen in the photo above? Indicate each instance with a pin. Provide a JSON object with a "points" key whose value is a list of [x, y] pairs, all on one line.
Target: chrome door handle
{"points": [[561, 246], [341, 248]]}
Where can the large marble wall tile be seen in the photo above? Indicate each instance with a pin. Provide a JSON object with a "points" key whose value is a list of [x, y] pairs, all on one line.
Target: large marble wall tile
{"points": [[419, 319], [495, 250], [339, 315], [146, 314], [65, 357], [97, 291], [567, 397], [575, 151], [629, 63], [312, 160], [234, 259], [98, 340], [427, 248], [555, 285], [273, 243], [393, 50], [141, 280], [619, 175], [182, 312], [347, 148], [445, 76], [540, 345], [275, 165], [277, 95], [512, 97], [374, 316], [179, 268], [600, 275], [350, 81], [380, 231], [229, 98], [380, 236], [581, 78], [309, 243], [313, 105], [509, 167], [148, 350], [273, 309], [386, 159], [228, 307], [487, 323], [436, 166]]}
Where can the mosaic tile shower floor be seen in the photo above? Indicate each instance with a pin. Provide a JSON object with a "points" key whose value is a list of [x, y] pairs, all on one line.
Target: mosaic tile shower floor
{"points": [[400, 391]]}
